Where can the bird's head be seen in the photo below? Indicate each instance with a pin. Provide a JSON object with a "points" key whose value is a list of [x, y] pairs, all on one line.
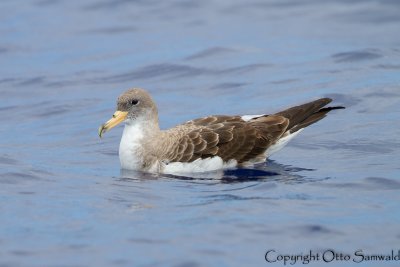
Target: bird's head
{"points": [[132, 105]]}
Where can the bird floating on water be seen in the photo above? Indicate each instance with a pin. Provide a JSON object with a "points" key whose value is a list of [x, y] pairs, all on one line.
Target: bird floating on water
{"points": [[204, 144]]}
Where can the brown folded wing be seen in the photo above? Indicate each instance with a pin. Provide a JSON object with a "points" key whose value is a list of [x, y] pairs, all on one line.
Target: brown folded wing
{"points": [[228, 137]]}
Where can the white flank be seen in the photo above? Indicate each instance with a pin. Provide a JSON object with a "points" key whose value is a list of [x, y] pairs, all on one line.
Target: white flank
{"points": [[281, 143], [130, 145], [199, 165]]}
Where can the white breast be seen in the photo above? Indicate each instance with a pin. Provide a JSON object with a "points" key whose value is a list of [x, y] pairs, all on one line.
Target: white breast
{"points": [[130, 149]]}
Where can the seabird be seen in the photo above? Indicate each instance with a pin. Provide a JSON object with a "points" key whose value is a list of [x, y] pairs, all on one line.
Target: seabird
{"points": [[204, 144]]}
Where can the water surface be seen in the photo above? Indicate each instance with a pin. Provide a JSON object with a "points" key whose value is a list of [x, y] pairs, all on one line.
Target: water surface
{"points": [[64, 200]]}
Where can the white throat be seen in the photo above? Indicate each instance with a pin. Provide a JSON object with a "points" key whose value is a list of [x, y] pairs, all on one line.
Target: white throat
{"points": [[130, 148]]}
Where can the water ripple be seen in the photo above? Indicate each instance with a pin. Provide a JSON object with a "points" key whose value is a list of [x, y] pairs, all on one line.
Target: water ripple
{"points": [[354, 56], [211, 52]]}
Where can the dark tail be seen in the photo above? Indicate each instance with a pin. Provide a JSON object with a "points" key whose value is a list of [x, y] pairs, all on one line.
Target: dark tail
{"points": [[307, 114]]}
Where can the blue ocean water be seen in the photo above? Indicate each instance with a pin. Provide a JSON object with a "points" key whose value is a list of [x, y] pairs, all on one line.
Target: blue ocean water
{"points": [[64, 200]]}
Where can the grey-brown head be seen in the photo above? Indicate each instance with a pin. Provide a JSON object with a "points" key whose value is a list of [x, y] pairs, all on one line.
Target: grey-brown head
{"points": [[133, 104]]}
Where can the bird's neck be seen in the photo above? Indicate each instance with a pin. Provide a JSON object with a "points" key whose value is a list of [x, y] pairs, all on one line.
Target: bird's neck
{"points": [[148, 126], [135, 137]]}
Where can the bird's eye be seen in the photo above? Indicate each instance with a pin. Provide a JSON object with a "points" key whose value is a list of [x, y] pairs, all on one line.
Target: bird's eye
{"points": [[134, 102]]}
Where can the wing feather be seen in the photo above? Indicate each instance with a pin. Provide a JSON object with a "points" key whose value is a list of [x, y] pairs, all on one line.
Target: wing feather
{"points": [[228, 137]]}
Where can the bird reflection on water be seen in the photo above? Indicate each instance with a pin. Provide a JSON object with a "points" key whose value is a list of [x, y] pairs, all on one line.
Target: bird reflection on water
{"points": [[270, 171]]}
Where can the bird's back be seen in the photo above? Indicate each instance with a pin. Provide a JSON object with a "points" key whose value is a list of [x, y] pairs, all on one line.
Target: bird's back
{"points": [[233, 138]]}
